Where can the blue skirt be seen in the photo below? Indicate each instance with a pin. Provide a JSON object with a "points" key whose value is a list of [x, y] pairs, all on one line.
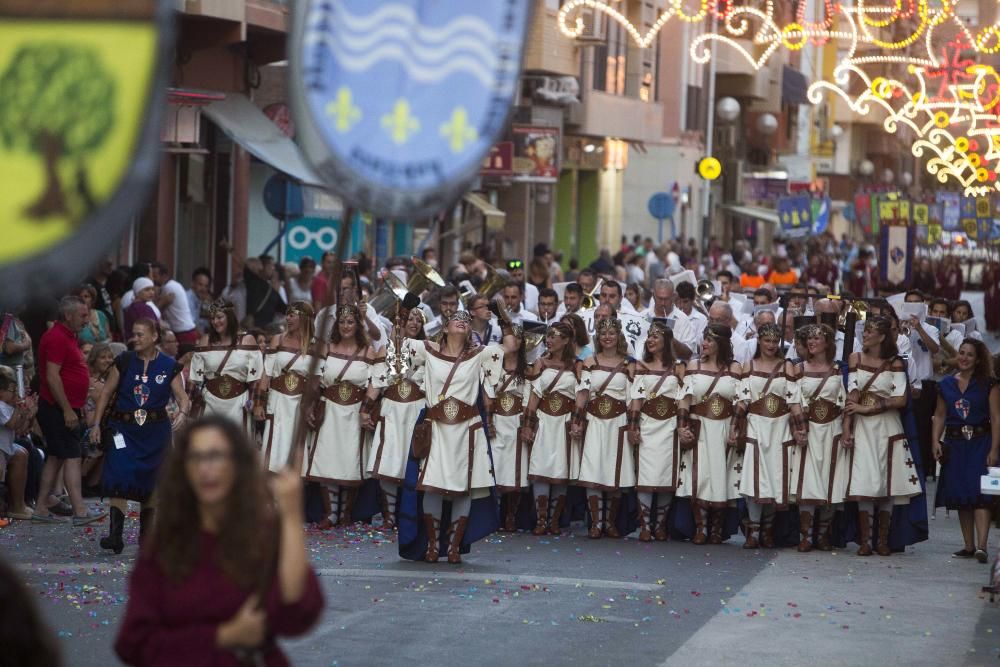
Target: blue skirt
{"points": [[958, 485], [131, 472]]}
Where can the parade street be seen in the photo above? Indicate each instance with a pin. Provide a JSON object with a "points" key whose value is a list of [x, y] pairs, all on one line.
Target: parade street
{"points": [[562, 600]]}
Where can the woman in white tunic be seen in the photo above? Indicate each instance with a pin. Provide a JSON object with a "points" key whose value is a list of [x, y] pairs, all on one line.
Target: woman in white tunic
{"points": [[608, 463], [457, 463], [398, 380], [280, 390], [227, 367], [882, 470], [822, 466], [338, 449], [554, 453], [653, 429], [710, 467], [505, 397], [766, 393]]}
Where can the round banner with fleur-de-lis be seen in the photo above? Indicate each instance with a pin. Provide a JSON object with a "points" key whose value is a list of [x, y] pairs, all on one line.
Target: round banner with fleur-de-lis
{"points": [[398, 102]]}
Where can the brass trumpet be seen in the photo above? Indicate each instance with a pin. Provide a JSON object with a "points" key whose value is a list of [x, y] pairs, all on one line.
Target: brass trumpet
{"points": [[590, 299], [392, 291]]}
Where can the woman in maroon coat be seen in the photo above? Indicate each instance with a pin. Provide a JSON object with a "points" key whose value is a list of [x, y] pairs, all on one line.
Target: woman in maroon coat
{"points": [[226, 572]]}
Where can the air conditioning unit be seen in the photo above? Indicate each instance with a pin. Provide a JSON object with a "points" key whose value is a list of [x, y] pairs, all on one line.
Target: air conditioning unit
{"points": [[594, 26]]}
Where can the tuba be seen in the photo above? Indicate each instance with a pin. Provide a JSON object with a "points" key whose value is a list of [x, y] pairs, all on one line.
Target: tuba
{"points": [[392, 291], [493, 283], [423, 278]]}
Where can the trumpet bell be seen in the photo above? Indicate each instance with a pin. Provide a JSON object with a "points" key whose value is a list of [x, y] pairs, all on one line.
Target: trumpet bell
{"points": [[392, 291], [494, 282], [705, 290], [424, 277]]}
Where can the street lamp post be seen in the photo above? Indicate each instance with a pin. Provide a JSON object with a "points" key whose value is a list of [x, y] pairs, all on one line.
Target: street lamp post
{"points": [[706, 190]]}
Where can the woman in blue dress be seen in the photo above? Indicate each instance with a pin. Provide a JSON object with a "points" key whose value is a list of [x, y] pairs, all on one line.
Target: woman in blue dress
{"points": [[967, 441], [138, 388]]}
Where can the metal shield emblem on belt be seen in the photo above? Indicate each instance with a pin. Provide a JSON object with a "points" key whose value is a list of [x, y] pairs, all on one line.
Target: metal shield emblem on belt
{"points": [[225, 386], [82, 93], [867, 400], [820, 411], [450, 408], [604, 407], [716, 406], [140, 416], [555, 402], [661, 408], [506, 402], [771, 404], [291, 381], [397, 102], [344, 392], [404, 388]]}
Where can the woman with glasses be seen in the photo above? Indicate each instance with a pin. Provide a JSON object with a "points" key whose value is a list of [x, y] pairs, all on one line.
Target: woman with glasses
{"points": [[554, 455], [653, 430], [607, 466], [883, 473]]}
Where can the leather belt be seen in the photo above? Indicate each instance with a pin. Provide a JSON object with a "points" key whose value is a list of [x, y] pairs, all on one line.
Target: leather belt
{"points": [[967, 432], [772, 406], [404, 391], [139, 416], [507, 404], [290, 384], [605, 407], [344, 393], [661, 408], [822, 411], [452, 411], [224, 386], [557, 404], [713, 407]]}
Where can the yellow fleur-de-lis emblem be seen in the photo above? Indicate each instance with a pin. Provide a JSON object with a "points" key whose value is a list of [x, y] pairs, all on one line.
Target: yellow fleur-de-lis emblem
{"points": [[400, 124], [343, 110], [458, 131]]}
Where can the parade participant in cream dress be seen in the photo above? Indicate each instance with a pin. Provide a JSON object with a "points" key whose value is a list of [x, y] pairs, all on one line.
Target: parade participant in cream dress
{"points": [[227, 366], [280, 390], [819, 471], [608, 463], [882, 471], [653, 429], [710, 466], [554, 453], [766, 393], [506, 394], [338, 449]]}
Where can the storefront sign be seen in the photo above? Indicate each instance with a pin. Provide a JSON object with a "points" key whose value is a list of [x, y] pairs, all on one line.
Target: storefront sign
{"points": [[536, 153], [500, 161]]}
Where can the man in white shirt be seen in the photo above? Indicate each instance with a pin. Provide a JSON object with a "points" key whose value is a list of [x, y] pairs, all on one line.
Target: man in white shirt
{"points": [[173, 304], [514, 298], [744, 347], [199, 297], [447, 306], [924, 345], [485, 328], [548, 305], [662, 307], [721, 313], [611, 294], [572, 300], [684, 300], [515, 268]]}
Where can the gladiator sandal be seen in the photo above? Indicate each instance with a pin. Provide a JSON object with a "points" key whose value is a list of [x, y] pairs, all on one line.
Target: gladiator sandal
{"points": [[611, 522], [749, 529], [325, 497], [594, 505], [767, 532], [700, 518], [805, 529], [884, 521], [510, 515], [823, 533], [456, 532], [864, 534], [557, 511], [388, 516], [347, 507], [542, 520], [645, 535], [715, 532], [660, 534], [433, 528]]}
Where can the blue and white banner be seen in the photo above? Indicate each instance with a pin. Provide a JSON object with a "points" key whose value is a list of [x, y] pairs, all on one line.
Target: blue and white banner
{"points": [[398, 102], [795, 214]]}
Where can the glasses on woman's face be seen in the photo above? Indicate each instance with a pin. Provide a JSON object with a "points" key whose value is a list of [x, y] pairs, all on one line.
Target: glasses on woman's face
{"points": [[212, 457]]}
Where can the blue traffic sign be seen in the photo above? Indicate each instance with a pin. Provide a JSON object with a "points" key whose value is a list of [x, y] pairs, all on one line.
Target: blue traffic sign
{"points": [[661, 205]]}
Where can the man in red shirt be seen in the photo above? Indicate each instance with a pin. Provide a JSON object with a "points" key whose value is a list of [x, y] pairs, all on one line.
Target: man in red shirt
{"points": [[321, 282], [64, 381]]}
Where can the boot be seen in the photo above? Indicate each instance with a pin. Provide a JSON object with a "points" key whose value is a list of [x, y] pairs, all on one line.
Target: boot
{"points": [[645, 535], [660, 534], [347, 506], [594, 505], [510, 515], [114, 539], [715, 532], [749, 529], [388, 516], [805, 530], [542, 520], [556, 515], [823, 536], [611, 523], [700, 519], [145, 523], [767, 532], [884, 519], [457, 532], [433, 528], [864, 534]]}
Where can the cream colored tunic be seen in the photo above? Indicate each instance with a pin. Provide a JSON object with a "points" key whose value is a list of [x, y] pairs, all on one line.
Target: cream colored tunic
{"points": [[710, 472], [555, 454], [459, 458], [657, 457], [881, 465], [510, 456], [762, 477], [282, 409], [391, 442], [819, 472], [244, 365], [338, 451], [608, 461]]}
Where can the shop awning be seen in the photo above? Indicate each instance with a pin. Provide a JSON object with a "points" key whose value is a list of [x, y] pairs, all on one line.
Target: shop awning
{"points": [[247, 125], [754, 213], [495, 218], [794, 86]]}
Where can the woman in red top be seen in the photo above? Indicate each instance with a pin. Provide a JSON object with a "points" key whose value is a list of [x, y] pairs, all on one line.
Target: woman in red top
{"points": [[196, 596]]}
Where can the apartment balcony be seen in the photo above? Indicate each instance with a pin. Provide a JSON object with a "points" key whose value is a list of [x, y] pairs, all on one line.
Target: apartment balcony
{"points": [[259, 25], [548, 50], [606, 115]]}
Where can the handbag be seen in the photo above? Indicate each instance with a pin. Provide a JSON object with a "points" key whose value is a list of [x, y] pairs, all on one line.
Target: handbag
{"points": [[422, 431]]}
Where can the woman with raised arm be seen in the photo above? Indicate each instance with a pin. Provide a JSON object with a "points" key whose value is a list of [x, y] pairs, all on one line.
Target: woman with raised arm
{"points": [[710, 464], [765, 400], [338, 448], [883, 473], [554, 459], [653, 429], [227, 365], [608, 465]]}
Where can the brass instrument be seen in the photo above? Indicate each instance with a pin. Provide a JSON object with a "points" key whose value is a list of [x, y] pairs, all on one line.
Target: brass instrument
{"points": [[705, 290], [493, 283], [589, 300], [858, 308], [389, 295], [423, 278], [532, 340]]}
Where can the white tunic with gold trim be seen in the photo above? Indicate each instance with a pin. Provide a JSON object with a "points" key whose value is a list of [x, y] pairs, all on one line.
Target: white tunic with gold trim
{"points": [[768, 440], [283, 401], [819, 472], [555, 454], [338, 451], [608, 461], [244, 365], [710, 472], [657, 457], [402, 401], [510, 455]]}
